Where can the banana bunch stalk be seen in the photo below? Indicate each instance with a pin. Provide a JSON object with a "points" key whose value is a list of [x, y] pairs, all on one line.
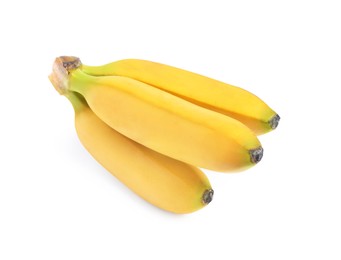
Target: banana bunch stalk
{"points": [[153, 126]]}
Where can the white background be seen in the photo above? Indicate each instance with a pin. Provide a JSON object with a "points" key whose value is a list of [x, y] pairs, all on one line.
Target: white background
{"points": [[56, 202]]}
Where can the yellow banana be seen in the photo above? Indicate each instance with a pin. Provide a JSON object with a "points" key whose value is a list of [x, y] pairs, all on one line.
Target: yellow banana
{"points": [[166, 183], [203, 91], [161, 121]]}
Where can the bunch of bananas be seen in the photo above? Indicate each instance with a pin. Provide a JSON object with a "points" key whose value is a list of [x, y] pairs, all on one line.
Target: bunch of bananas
{"points": [[152, 126]]}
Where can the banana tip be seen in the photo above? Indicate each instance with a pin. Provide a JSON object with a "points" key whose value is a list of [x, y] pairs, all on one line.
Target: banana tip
{"points": [[207, 196], [273, 122], [256, 154]]}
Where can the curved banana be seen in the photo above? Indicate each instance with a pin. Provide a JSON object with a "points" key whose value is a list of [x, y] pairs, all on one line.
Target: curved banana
{"points": [[163, 122], [203, 91], [166, 183]]}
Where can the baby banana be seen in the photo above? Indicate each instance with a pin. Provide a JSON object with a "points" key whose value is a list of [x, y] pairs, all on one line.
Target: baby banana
{"points": [[203, 91], [161, 121], [164, 182]]}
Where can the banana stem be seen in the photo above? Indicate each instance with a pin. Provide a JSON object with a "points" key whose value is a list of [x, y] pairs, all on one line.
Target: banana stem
{"points": [[77, 100], [60, 72]]}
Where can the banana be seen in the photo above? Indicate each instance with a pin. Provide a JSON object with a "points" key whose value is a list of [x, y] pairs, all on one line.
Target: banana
{"points": [[203, 91], [161, 121], [164, 182]]}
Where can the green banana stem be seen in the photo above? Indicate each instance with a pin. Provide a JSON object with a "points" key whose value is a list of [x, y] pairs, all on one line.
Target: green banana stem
{"points": [[97, 70], [78, 81], [77, 100]]}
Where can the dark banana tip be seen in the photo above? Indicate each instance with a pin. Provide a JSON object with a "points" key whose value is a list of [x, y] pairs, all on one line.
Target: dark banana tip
{"points": [[256, 154], [207, 196], [273, 122]]}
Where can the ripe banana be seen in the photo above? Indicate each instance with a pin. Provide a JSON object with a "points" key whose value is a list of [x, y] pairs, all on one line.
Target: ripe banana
{"points": [[203, 91], [166, 183], [161, 121]]}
